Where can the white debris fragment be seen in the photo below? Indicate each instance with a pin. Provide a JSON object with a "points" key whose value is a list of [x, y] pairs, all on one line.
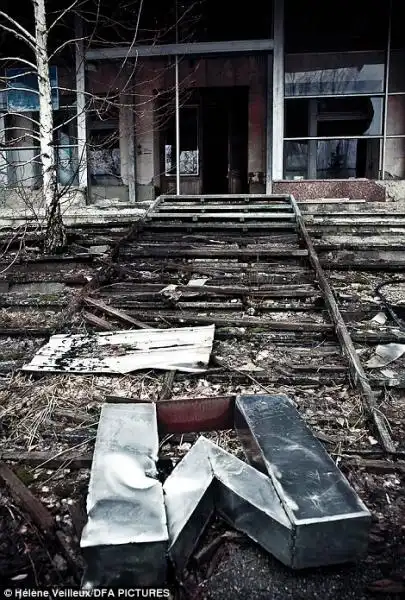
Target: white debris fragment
{"points": [[197, 282], [186, 349], [379, 318], [385, 354]]}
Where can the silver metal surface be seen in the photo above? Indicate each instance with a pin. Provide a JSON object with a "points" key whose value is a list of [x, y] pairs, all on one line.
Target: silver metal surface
{"points": [[209, 478], [331, 522], [182, 349], [189, 501], [125, 504]]}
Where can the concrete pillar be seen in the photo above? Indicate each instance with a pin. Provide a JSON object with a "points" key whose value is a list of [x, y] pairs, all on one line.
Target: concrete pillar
{"points": [[278, 91], [145, 155], [256, 138], [127, 145], [313, 144], [81, 106]]}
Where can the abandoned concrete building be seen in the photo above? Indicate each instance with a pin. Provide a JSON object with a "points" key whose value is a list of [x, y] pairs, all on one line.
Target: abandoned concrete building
{"points": [[283, 97]]}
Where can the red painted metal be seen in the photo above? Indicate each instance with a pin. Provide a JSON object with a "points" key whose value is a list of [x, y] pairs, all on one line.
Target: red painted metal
{"points": [[186, 415]]}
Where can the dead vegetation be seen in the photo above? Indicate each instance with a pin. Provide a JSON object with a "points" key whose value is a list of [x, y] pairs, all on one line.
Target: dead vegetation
{"points": [[48, 424]]}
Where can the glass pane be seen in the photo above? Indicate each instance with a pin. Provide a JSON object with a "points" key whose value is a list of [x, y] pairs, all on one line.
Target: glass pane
{"points": [[339, 73], [333, 117], [189, 163], [331, 159], [22, 167], [67, 165], [296, 160], [396, 115], [395, 159], [397, 71]]}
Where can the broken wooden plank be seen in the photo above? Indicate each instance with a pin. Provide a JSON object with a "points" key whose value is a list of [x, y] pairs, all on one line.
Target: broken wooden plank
{"points": [[113, 312], [166, 390], [98, 322], [49, 459], [357, 370], [26, 499], [377, 466], [181, 317], [210, 252]]}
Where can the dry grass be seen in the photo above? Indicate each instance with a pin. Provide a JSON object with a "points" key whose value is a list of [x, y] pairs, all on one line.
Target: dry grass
{"points": [[57, 407]]}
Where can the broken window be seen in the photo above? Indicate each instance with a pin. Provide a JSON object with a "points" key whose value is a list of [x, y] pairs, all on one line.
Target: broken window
{"points": [[20, 162], [331, 73], [104, 144], [331, 159], [189, 154], [333, 115], [65, 139]]}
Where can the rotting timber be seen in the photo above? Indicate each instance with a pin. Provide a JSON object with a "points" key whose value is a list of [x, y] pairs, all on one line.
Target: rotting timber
{"points": [[231, 261], [254, 265]]}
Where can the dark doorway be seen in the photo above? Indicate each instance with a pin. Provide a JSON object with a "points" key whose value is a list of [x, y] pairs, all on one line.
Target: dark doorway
{"points": [[224, 140]]}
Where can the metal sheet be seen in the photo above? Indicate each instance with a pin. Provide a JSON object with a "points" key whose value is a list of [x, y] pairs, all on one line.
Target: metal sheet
{"points": [[125, 503], [248, 501], [189, 501], [185, 349], [196, 414], [316, 496], [209, 478]]}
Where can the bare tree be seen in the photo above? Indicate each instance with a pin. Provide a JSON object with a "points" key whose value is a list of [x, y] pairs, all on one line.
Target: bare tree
{"points": [[55, 236], [35, 143]]}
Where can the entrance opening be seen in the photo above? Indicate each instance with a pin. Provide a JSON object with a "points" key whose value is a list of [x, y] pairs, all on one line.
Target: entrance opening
{"points": [[213, 142], [224, 140]]}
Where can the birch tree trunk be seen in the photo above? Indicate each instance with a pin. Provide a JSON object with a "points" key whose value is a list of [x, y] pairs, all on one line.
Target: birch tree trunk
{"points": [[55, 236]]}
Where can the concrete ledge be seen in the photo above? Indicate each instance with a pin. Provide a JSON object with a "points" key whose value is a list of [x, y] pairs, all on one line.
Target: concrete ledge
{"points": [[91, 215], [353, 189]]}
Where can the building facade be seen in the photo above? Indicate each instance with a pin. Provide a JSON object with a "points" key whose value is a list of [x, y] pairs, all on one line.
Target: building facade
{"points": [[234, 100]]}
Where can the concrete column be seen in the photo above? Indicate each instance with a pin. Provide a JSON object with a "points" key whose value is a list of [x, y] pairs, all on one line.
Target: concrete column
{"points": [[127, 145], [256, 137], [81, 106], [312, 144], [278, 91], [145, 155]]}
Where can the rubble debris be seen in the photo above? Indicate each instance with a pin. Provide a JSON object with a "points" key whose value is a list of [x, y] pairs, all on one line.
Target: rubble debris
{"points": [[385, 354], [185, 349], [126, 530], [39, 514]]}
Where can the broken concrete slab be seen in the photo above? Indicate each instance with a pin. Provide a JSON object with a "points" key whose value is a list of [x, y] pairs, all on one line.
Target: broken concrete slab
{"points": [[185, 349], [126, 530], [331, 523]]}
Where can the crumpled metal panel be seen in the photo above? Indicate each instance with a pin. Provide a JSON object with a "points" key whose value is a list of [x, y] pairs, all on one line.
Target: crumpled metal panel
{"points": [[125, 504], [189, 501], [331, 522], [209, 478], [185, 349]]}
